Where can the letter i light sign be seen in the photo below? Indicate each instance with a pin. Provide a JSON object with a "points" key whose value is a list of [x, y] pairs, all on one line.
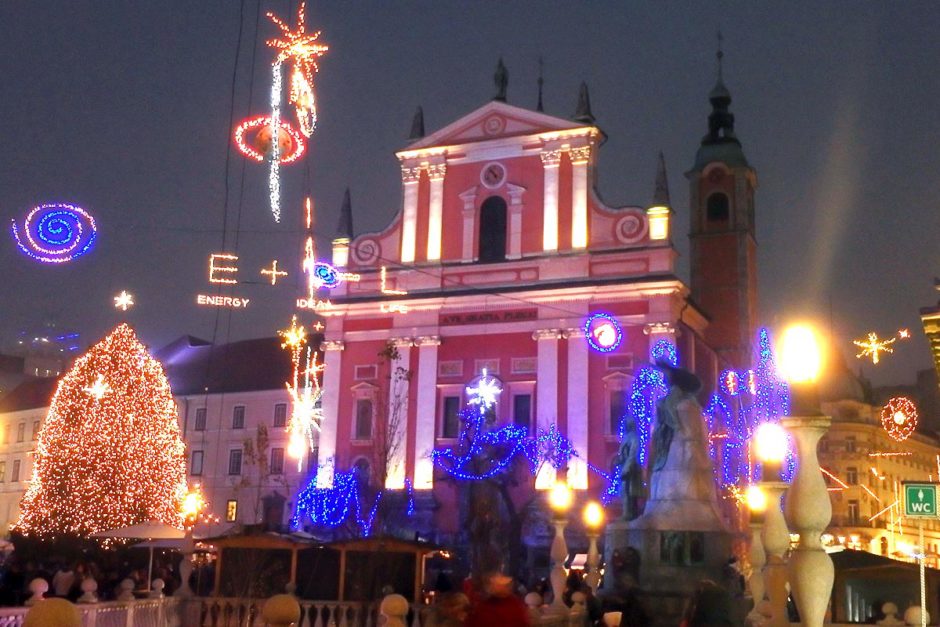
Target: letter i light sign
{"points": [[920, 500]]}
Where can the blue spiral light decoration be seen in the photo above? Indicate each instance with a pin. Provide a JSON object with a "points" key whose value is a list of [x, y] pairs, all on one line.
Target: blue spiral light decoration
{"points": [[56, 233], [326, 275]]}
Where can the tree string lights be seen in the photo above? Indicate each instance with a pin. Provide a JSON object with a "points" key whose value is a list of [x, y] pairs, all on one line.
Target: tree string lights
{"points": [[305, 393], [56, 233], [872, 347], [110, 460], [899, 418]]}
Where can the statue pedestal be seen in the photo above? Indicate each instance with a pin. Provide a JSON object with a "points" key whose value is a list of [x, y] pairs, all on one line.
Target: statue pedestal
{"points": [[681, 537]]}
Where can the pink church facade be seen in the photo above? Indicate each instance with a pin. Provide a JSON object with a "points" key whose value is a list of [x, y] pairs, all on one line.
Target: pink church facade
{"points": [[501, 250]]}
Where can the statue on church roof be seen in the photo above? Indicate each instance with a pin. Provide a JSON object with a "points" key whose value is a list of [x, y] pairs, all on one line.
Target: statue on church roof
{"points": [[501, 78]]}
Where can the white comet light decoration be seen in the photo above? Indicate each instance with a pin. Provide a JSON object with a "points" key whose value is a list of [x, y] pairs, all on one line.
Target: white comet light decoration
{"points": [[305, 392]]}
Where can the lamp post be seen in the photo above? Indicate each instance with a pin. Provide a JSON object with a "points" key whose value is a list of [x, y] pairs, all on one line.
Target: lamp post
{"points": [[190, 509], [559, 498], [593, 520], [756, 501], [808, 509], [770, 444]]}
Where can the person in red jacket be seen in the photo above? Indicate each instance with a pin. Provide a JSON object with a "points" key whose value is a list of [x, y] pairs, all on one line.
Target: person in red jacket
{"points": [[499, 606]]}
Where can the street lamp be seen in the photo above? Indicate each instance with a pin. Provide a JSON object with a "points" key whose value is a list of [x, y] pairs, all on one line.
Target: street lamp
{"points": [[559, 498], [191, 508], [593, 521], [770, 445], [808, 509], [756, 501]]}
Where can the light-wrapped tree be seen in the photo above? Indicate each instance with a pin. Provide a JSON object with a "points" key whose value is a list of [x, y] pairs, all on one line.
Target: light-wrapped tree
{"points": [[109, 453]]}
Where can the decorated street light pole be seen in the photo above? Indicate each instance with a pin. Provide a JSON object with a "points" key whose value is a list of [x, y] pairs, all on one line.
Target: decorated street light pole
{"points": [[771, 445], [559, 498], [808, 509], [593, 521]]}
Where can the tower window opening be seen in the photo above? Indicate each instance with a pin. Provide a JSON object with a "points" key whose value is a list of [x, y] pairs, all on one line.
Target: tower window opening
{"points": [[493, 230], [717, 208]]}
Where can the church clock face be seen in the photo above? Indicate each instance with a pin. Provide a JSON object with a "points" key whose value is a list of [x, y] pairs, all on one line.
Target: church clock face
{"points": [[493, 175]]}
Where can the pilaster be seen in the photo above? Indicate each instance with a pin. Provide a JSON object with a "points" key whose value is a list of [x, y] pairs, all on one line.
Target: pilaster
{"points": [[409, 223], [546, 394], [577, 413], [332, 364], [579, 189], [426, 418], [469, 199], [551, 160], [396, 426], [436, 174]]}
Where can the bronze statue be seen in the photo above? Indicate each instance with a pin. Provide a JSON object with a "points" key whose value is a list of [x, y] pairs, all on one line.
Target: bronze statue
{"points": [[631, 473], [682, 384]]}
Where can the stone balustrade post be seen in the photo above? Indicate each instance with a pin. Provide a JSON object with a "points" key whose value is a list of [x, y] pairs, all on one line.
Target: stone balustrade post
{"points": [[37, 588], [281, 610], [156, 588], [126, 588], [756, 556], [394, 609], [89, 587]]}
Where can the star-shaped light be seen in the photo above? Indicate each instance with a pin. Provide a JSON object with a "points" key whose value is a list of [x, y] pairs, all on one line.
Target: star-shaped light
{"points": [[873, 347], [124, 301], [904, 334], [485, 392], [299, 46], [97, 389]]}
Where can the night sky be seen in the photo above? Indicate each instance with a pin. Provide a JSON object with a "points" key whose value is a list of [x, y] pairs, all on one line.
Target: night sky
{"points": [[126, 109]]}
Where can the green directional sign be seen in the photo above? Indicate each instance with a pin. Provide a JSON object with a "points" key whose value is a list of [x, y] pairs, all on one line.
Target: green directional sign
{"points": [[920, 500]]}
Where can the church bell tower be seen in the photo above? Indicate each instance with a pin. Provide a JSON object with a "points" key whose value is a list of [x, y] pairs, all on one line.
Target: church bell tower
{"points": [[723, 247]]}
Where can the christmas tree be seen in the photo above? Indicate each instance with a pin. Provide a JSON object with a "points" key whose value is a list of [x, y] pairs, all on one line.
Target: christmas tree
{"points": [[109, 453]]}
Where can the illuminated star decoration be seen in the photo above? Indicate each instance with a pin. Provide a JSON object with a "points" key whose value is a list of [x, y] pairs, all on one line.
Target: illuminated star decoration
{"points": [[485, 393], [97, 389], [873, 347], [904, 334], [305, 393], [302, 50], [123, 301]]}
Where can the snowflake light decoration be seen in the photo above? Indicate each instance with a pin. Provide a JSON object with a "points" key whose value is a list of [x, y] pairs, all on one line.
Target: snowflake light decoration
{"points": [[124, 301], [98, 388], [899, 418], [305, 393], [485, 392], [872, 347]]}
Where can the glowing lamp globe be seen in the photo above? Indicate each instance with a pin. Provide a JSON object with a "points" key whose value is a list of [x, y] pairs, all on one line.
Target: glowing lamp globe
{"points": [[771, 442], [799, 354], [560, 497], [756, 499], [593, 515]]}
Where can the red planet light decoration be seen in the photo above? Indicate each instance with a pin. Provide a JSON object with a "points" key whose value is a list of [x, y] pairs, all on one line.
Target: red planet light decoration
{"points": [[899, 418]]}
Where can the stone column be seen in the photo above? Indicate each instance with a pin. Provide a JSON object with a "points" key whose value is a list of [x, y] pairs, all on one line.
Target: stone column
{"points": [[578, 407], [579, 192], [435, 210], [515, 220], [469, 199], [426, 413], [409, 222], [808, 512], [396, 427], [551, 159], [332, 362], [756, 558], [776, 539], [546, 394]]}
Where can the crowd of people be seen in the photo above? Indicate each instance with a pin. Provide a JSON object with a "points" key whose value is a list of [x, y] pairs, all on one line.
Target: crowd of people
{"points": [[65, 578]]}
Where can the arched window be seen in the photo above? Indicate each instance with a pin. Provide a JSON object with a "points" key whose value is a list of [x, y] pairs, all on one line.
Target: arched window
{"points": [[716, 208], [493, 229]]}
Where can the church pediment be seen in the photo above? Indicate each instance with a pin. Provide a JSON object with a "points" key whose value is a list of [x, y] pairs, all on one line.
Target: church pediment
{"points": [[494, 120]]}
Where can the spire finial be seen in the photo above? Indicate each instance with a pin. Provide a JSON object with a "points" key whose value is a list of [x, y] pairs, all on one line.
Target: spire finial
{"points": [[661, 193], [539, 107], [344, 229], [501, 78], [583, 112], [417, 125], [720, 54]]}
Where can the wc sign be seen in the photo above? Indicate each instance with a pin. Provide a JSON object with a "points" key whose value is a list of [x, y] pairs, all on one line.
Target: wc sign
{"points": [[920, 500]]}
